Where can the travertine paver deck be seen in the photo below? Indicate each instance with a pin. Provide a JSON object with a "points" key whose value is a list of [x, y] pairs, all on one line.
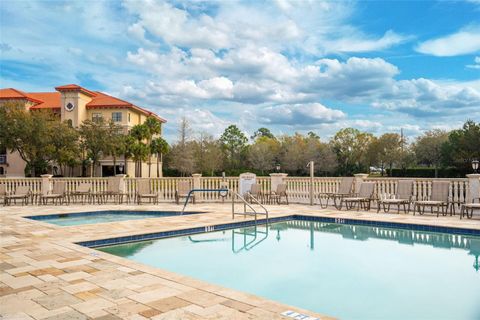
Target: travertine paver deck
{"points": [[44, 275]]}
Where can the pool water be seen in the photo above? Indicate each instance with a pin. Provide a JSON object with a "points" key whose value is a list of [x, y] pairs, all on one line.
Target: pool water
{"points": [[74, 219], [345, 271]]}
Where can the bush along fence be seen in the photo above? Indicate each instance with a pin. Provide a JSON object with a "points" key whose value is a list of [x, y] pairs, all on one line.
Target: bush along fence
{"points": [[302, 190]]}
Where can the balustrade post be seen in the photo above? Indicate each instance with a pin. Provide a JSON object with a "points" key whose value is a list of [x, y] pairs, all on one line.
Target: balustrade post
{"points": [[47, 184], [359, 178], [197, 184], [473, 187], [123, 187], [276, 179]]}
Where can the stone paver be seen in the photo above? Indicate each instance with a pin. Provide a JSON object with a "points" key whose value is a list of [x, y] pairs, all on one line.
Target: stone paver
{"points": [[45, 275]]}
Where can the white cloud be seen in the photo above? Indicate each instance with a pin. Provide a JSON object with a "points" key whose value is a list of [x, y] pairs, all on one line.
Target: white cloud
{"points": [[476, 64], [465, 41], [427, 98], [361, 43], [300, 114]]}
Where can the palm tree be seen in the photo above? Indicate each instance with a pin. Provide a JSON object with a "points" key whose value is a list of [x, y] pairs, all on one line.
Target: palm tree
{"points": [[140, 150], [159, 147], [154, 128]]}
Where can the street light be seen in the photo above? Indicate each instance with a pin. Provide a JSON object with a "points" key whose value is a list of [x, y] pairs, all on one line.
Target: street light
{"points": [[475, 165]]}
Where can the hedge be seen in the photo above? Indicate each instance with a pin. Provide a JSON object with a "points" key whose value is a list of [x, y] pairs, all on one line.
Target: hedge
{"points": [[449, 172]]}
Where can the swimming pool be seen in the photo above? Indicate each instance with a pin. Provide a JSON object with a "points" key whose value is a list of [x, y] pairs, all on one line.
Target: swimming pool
{"points": [[342, 270], [78, 218]]}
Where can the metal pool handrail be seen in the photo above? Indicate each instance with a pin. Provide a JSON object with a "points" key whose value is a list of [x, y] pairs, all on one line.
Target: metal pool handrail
{"points": [[203, 190], [245, 204]]}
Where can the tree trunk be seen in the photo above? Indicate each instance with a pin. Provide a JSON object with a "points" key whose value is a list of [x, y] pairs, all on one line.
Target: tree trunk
{"points": [[158, 165], [114, 165], [149, 165], [125, 171]]}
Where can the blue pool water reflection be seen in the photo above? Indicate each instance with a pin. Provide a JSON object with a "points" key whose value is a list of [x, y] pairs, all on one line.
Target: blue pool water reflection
{"points": [[346, 271]]}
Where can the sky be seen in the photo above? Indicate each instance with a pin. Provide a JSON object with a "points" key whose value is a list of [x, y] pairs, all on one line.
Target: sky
{"points": [[290, 66]]}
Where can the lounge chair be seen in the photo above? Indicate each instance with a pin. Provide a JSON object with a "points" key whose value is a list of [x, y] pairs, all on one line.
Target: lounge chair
{"points": [[21, 193], [113, 191], [82, 192], [144, 191], [344, 190], [277, 195], [183, 189], [3, 193], [255, 192], [58, 194], [470, 206], [438, 199], [363, 199], [402, 197]]}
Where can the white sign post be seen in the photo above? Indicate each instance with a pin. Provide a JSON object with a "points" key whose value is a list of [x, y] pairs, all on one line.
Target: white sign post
{"points": [[246, 180]]}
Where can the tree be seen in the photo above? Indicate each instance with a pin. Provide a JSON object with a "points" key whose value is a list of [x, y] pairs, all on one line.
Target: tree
{"points": [[139, 149], [159, 147], [115, 143], [28, 133], [65, 146], [154, 129], [385, 150], [463, 145], [262, 132], [207, 154], [428, 148], [234, 144], [94, 140], [181, 154], [293, 153], [351, 146], [264, 153]]}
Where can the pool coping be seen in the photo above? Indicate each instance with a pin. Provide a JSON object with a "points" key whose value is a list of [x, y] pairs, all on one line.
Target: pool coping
{"points": [[226, 226], [42, 217]]}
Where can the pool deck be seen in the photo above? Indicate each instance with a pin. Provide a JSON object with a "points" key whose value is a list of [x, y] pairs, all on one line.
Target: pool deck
{"points": [[45, 275]]}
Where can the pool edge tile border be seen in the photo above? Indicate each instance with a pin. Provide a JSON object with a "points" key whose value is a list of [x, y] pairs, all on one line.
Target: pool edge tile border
{"points": [[249, 223]]}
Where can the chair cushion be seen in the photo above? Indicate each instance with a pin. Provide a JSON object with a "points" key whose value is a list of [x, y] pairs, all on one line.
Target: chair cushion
{"points": [[355, 199], [18, 196], [395, 201], [472, 205], [430, 202]]}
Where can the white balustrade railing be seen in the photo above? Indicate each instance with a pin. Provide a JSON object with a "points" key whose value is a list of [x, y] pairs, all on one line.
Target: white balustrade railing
{"points": [[298, 188]]}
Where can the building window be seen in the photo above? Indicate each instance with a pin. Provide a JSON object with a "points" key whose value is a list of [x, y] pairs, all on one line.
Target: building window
{"points": [[129, 117], [70, 123], [97, 117], [116, 116]]}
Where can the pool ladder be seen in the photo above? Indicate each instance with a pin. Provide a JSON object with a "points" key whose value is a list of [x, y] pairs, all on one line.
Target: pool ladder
{"points": [[246, 204]]}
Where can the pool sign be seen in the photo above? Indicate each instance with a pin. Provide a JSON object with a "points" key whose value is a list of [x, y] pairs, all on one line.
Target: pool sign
{"points": [[247, 179]]}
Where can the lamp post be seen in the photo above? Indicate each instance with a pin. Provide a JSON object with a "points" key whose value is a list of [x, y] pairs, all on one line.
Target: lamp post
{"points": [[89, 162], [277, 167], [475, 163]]}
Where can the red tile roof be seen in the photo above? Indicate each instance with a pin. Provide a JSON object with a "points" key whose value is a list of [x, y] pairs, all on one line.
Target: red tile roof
{"points": [[74, 87], [49, 100], [10, 94], [52, 100]]}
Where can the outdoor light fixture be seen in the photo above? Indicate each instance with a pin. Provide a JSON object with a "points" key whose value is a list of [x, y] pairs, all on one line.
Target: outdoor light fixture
{"points": [[475, 165], [277, 167]]}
